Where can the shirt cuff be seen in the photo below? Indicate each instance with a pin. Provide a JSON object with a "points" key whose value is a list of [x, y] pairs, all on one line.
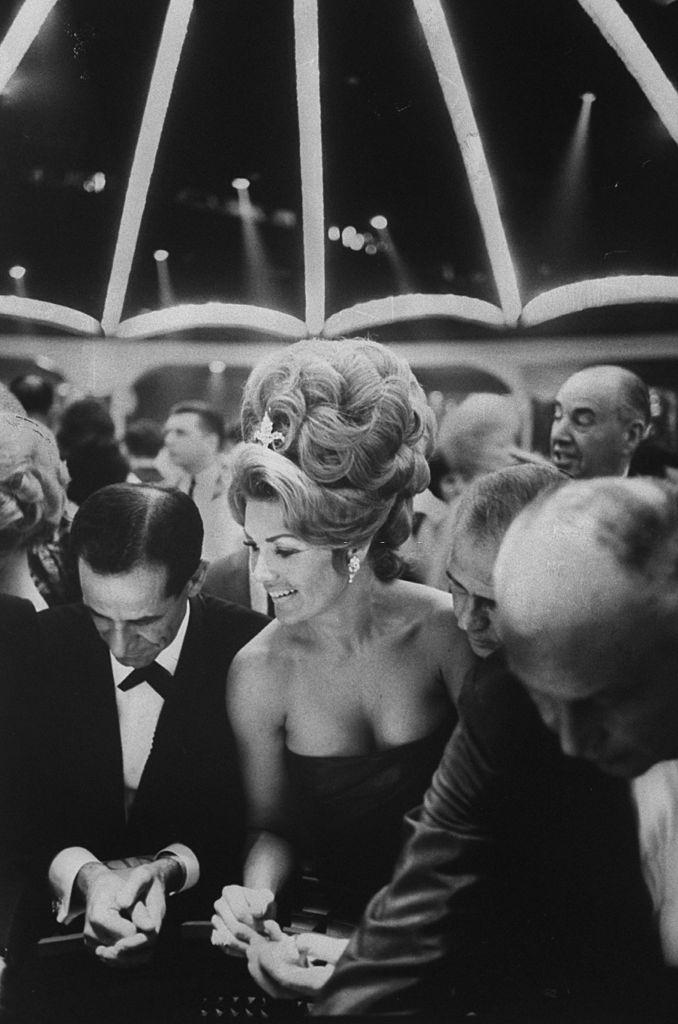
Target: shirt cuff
{"points": [[62, 874], [188, 861]]}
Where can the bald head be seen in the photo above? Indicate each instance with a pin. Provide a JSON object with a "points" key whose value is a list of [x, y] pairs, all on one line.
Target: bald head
{"points": [[601, 415], [590, 622]]}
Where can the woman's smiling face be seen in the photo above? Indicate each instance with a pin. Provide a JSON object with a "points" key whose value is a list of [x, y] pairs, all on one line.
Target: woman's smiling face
{"points": [[299, 577]]}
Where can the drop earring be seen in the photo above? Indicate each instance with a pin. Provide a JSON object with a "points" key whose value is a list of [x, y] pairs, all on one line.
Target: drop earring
{"points": [[353, 567]]}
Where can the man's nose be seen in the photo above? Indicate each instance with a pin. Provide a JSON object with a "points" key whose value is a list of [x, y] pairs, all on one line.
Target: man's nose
{"points": [[469, 612], [560, 429], [118, 638]]}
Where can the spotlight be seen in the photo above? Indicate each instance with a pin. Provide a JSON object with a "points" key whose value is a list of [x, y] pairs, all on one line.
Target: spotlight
{"points": [[241, 184], [347, 235], [217, 366], [16, 272], [357, 242], [371, 249], [379, 222], [160, 255], [588, 98], [96, 183], [334, 234]]}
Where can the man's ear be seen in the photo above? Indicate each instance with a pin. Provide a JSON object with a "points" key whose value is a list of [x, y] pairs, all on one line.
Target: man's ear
{"points": [[635, 432], [197, 579]]}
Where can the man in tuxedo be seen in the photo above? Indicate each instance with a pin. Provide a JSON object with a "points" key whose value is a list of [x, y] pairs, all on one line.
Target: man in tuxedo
{"points": [[529, 879], [141, 788]]}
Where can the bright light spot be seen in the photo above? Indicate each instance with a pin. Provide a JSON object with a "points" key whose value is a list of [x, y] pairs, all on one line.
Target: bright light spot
{"points": [[217, 366], [347, 235], [160, 255], [379, 222], [371, 249], [284, 218], [241, 184], [97, 182], [45, 363], [588, 98], [357, 242], [334, 234], [16, 272]]}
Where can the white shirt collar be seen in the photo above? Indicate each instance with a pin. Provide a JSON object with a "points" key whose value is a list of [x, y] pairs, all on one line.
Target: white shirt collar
{"points": [[168, 657]]}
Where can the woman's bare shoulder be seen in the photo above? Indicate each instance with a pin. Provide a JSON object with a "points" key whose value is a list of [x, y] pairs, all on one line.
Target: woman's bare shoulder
{"points": [[255, 670], [445, 644]]}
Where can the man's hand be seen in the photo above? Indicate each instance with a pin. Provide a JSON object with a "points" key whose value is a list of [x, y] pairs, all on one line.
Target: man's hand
{"points": [[124, 909]]}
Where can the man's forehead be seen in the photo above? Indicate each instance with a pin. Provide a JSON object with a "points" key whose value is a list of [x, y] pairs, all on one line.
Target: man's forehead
{"points": [[470, 564], [596, 391]]}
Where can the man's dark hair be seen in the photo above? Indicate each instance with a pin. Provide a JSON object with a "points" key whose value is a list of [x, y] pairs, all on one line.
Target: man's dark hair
{"points": [[126, 525], [84, 421], [489, 505], [34, 392], [211, 420], [143, 438]]}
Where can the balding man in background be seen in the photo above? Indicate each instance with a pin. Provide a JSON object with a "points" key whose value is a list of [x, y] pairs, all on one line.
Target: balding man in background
{"points": [[601, 415]]}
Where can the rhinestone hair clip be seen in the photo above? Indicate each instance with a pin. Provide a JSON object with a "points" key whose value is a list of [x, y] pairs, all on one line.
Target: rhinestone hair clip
{"points": [[266, 436]]}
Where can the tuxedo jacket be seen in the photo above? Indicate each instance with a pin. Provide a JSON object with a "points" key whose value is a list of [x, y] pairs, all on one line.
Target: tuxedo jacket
{"points": [[519, 888], [190, 790]]}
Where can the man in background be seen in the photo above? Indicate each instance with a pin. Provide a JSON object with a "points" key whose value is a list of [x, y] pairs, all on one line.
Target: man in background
{"points": [[601, 415], [36, 396], [194, 436], [141, 442]]}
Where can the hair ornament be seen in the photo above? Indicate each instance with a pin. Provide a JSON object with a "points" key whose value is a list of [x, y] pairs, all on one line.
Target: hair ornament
{"points": [[266, 436]]}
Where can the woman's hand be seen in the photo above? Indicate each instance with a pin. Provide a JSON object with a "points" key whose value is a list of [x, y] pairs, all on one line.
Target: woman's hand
{"points": [[239, 917], [283, 965]]}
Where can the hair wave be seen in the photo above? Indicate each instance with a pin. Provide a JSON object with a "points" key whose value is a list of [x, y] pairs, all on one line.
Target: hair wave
{"points": [[356, 434], [32, 483]]}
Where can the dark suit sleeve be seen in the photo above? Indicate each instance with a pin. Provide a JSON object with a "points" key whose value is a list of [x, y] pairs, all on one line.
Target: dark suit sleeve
{"points": [[20, 678], [429, 931]]}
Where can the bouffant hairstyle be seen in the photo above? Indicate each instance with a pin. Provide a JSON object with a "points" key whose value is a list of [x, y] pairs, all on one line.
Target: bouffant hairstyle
{"points": [[32, 483], [354, 434]]}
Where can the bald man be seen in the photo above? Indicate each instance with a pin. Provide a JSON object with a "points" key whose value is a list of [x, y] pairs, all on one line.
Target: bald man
{"points": [[591, 620], [591, 628], [600, 417], [526, 885]]}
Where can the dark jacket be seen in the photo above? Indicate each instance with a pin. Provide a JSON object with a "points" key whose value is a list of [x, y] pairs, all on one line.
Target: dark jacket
{"points": [[519, 887], [190, 790]]}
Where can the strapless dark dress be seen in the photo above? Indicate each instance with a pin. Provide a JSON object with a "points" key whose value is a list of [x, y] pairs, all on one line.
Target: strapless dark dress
{"points": [[350, 810]]}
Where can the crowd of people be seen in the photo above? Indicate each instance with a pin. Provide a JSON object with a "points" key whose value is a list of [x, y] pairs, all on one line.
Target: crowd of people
{"points": [[390, 705]]}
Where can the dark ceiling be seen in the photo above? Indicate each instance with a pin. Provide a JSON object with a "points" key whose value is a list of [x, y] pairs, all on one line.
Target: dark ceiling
{"points": [[75, 105]]}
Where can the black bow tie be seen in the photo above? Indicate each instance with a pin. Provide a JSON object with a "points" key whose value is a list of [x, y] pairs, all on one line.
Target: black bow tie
{"points": [[155, 675]]}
